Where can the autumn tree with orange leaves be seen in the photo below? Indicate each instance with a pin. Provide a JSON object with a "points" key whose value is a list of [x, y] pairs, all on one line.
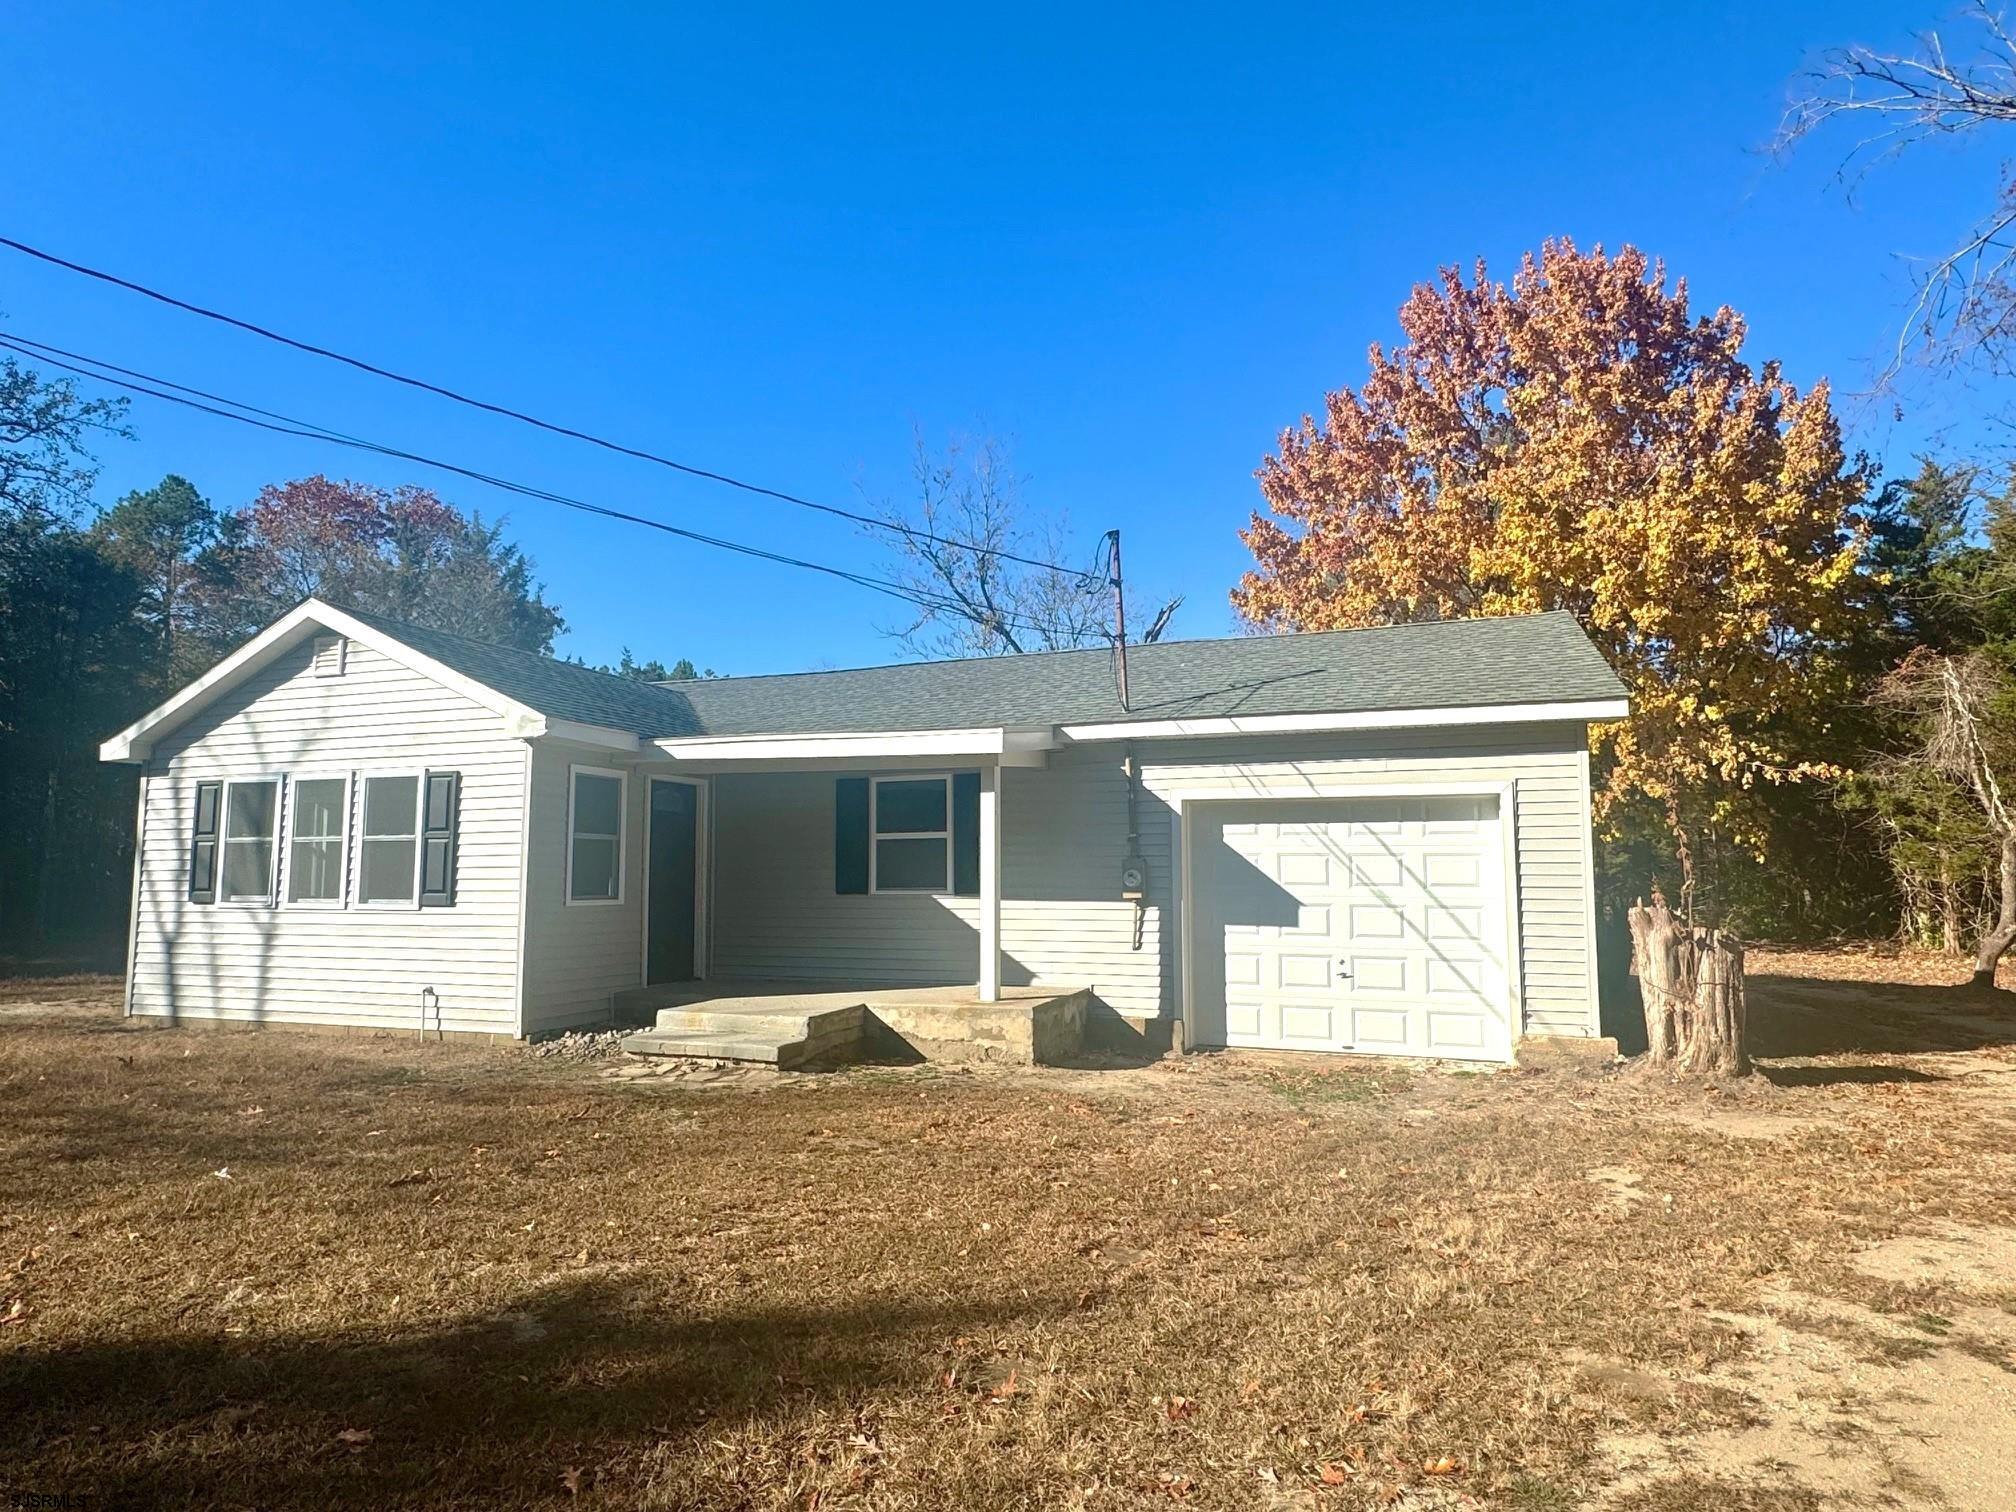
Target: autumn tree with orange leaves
{"points": [[1580, 440]]}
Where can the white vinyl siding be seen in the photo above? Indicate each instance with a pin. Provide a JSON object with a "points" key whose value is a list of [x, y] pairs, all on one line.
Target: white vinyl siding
{"points": [[576, 957], [332, 965]]}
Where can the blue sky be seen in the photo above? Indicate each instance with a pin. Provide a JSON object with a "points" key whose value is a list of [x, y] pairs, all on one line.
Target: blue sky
{"points": [[771, 240]]}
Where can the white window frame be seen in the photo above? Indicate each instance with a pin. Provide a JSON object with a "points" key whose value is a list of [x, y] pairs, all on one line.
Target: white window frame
{"points": [[272, 897], [359, 783], [622, 828], [875, 835], [349, 813]]}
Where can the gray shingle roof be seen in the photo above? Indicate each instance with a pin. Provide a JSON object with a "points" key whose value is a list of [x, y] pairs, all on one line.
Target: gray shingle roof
{"points": [[1541, 658], [558, 689]]}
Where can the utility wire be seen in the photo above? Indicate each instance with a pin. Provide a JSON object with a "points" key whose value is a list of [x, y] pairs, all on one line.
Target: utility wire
{"points": [[134, 382], [533, 420]]}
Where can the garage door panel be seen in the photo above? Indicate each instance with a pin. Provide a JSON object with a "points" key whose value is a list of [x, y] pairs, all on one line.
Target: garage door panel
{"points": [[1309, 1022], [1371, 926], [1457, 869], [1382, 1030], [1379, 974], [1298, 971], [1449, 922], [1301, 869], [1377, 921], [1456, 979], [1376, 871], [1311, 923], [1455, 1033]]}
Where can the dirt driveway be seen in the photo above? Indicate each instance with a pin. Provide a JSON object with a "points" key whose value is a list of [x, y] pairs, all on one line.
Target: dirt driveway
{"points": [[289, 1270]]}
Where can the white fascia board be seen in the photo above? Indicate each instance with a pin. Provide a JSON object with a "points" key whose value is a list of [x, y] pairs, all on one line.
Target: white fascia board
{"points": [[980, 742], [135, 741], [601, 737], [1589, 710]]}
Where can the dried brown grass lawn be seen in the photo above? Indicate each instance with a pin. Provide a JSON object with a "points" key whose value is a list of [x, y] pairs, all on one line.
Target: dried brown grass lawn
{"points": [[285, 1270]]}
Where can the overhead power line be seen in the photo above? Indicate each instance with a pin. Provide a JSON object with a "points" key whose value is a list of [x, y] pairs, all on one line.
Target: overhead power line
{"points": [[642, 455], [132, 381]]}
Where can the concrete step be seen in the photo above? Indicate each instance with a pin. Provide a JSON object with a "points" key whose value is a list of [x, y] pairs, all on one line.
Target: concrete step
{"points": [[784, 1040], [786, 1025], [768, 1052]]}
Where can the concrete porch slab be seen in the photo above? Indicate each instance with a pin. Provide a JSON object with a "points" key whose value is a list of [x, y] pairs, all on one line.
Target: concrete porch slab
{"points": [[1030, 1025]]}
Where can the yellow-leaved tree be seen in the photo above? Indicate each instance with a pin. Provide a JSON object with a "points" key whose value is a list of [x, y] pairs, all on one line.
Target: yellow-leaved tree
{"points": [[1579, 440]]}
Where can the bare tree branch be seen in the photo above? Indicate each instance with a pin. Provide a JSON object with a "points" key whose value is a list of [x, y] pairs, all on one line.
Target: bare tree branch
{"points": [[1963, 309], [975, 602]]}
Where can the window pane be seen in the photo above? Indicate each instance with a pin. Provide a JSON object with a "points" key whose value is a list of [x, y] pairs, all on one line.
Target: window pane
{"points": [[315, 871], [390, 805], [597, 804], [910, 865], [248, 866], [385, 869], [906, 807], [594, 868], [318, 808], [252, 806]]}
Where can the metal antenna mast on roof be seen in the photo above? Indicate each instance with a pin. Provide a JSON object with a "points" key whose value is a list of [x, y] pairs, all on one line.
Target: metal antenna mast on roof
{"points": [[1119, 621]]}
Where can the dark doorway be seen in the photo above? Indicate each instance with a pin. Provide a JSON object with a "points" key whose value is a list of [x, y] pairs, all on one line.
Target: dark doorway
{"points": [[675, 880]]}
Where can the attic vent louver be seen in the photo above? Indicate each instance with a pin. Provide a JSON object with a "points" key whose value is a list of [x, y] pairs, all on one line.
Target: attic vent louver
{"points": [[329, 655]]}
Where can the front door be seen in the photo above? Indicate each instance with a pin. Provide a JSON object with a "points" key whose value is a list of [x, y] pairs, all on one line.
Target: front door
{"points": [[675, 881]]}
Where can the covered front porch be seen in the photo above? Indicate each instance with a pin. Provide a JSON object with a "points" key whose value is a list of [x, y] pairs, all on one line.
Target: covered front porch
{"points": [[858, 860], [952, 873], [975, 869]]}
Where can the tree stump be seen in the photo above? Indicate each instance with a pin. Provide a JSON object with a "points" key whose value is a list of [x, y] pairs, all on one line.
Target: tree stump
{"points": [[1691, 981]]}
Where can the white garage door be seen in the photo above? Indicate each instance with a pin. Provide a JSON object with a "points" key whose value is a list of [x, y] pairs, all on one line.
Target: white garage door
{"points": [[1372, 926]]}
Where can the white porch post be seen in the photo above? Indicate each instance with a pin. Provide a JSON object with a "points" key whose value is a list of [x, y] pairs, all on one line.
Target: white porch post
{"points": [[990, 884]]}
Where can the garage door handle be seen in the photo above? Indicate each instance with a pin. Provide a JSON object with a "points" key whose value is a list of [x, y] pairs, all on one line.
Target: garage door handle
{"points": [[1344, 973]]}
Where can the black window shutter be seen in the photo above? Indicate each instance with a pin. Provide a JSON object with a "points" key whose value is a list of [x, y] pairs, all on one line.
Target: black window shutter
{"points": [[203, 843], [966, 834], [437, 839], [850, 835]]}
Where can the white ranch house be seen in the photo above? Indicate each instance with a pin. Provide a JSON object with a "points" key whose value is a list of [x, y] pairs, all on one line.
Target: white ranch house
{"points": [[1374, 841]]}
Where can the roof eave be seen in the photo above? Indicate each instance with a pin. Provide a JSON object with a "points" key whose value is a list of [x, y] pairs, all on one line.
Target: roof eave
{"points": [[1584, 711], [1005, 744]]}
